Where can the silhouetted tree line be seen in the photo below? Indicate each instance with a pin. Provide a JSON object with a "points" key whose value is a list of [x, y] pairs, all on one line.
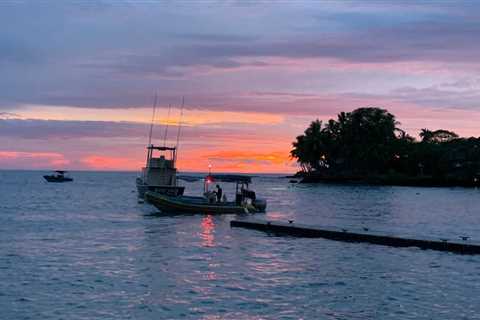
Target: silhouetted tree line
{"points": [[366, 144]]}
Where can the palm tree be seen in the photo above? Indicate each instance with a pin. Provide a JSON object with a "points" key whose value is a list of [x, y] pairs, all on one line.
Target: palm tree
{"points": [[426, 135], [309, 147]]}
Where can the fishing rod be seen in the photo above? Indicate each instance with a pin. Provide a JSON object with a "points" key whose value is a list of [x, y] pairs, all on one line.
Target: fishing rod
{"points": [[179, 126], [153, 120], [166, 127]]}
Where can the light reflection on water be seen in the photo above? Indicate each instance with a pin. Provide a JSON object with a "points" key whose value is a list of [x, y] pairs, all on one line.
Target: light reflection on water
{"points": [[208, 226], [88, 250]]}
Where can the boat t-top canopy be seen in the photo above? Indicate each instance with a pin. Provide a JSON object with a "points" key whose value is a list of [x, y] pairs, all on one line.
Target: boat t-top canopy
{"points": [[171, 151], [152, 147], [60, 171], [230, 178]]}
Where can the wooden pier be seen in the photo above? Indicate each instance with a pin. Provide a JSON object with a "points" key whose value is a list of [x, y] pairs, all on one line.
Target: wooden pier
{"points": [[463, 245]]}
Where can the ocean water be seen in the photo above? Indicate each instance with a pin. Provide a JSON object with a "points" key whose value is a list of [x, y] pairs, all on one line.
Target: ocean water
{"points": [[90, 250]]}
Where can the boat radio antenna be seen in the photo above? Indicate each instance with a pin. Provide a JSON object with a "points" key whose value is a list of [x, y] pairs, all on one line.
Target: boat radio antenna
{"points": [[180, 125], [153, 120], [166, 127]]}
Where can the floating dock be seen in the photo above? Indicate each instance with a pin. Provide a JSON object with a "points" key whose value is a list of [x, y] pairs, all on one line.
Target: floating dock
{"points": [[462, 246]]}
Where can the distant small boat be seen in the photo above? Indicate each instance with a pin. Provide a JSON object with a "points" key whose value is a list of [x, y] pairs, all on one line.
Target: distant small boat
{"points": [[58, 176], [245, 199]]}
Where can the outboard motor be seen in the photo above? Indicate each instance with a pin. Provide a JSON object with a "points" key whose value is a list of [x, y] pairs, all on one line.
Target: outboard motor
{"points": [[260, 204]]}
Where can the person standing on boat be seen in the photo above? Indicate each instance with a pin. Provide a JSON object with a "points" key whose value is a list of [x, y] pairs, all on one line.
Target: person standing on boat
{"points": [[219, 193]]}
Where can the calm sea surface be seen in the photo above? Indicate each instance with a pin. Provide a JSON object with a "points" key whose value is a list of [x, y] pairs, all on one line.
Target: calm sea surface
{"points": [[89, 250]]}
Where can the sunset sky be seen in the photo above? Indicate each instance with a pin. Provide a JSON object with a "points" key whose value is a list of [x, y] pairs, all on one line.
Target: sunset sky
{"points": [[77, 79]]}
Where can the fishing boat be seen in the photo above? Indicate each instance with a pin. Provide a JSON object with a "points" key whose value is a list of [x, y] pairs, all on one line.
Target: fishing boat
{"points": [[58, 176], [159, 174], [245, 199]]}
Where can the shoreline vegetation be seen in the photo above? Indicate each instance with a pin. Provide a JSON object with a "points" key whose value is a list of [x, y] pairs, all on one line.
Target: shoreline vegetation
{"points": [[366, 146]]}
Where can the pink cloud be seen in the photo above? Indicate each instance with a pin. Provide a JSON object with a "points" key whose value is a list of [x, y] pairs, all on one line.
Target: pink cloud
{"points": [[32, 160], [99, 162]]}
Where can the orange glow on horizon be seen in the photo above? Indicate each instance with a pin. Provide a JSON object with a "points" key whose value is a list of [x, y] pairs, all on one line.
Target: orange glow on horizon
{"points": [[112, 163], [238, 161], [191, 117]]}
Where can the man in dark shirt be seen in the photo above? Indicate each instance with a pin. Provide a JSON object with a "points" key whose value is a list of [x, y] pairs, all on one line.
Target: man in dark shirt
{"points": [[219, 193]]}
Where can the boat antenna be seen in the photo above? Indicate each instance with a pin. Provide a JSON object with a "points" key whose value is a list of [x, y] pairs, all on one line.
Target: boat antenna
{"points": [[153, 120], [180, 125], [166, 127]]}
